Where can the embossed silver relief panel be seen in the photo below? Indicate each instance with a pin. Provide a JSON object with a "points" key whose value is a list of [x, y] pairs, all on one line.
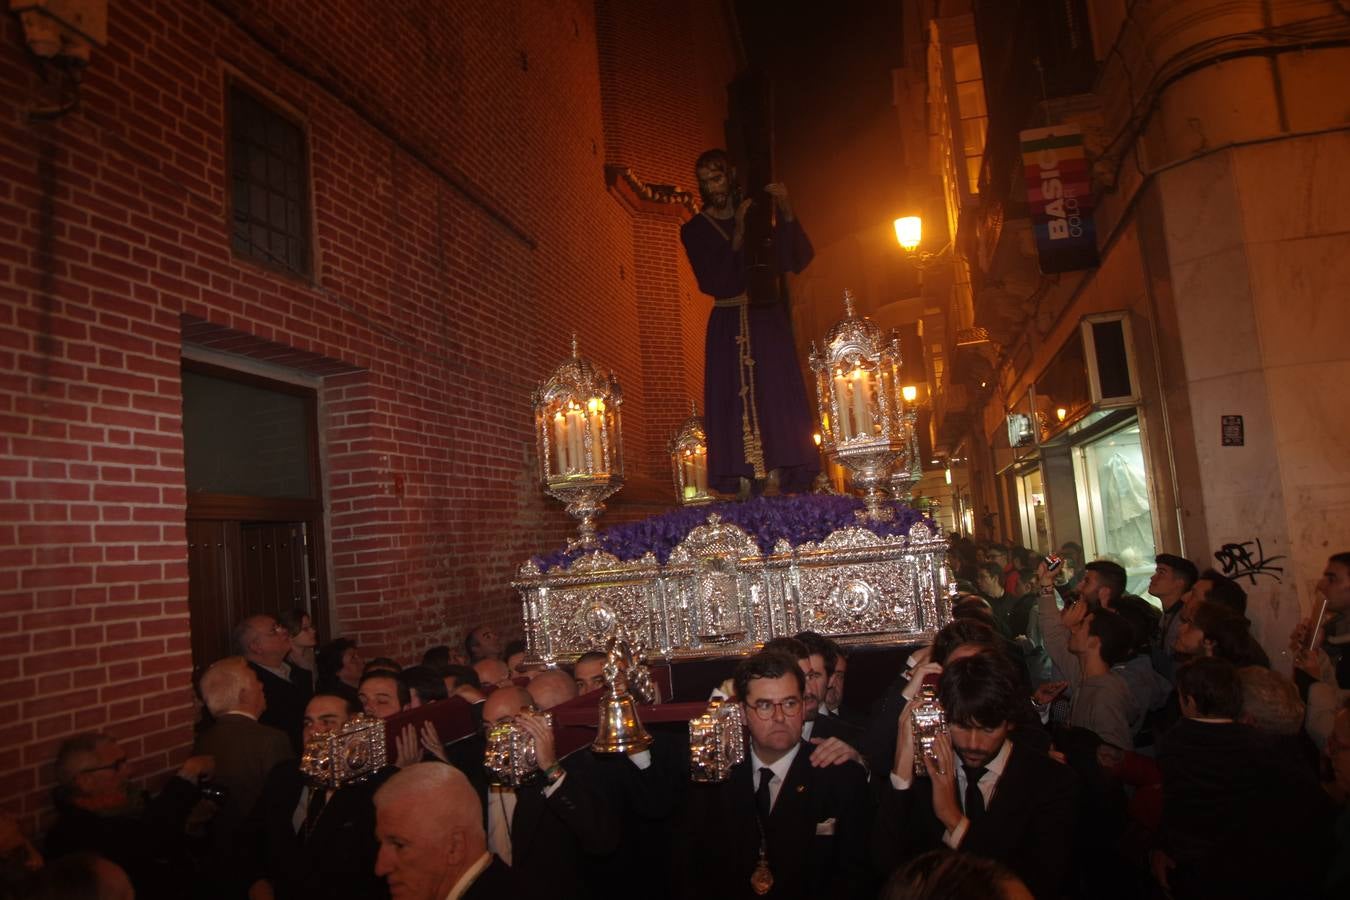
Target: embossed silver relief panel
{"points": [[716, 595]]}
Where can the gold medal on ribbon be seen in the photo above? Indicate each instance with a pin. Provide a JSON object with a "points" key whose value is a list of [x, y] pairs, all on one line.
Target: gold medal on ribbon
{"points": [[761, 879]]}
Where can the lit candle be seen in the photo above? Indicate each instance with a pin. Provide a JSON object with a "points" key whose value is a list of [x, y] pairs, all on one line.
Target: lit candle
{"points": [[576, 423], [559, 444], [597, 410], [701, 471], [841, 402], [862, 418]]}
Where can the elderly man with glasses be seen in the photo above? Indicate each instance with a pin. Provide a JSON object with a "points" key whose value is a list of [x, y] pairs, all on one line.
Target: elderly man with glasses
{"points": [[102, 812], [265, 642], [778, 823]]}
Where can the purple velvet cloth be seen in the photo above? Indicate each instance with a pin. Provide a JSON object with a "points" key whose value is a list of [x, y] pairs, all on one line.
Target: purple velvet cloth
{"points": [[785, 421]]}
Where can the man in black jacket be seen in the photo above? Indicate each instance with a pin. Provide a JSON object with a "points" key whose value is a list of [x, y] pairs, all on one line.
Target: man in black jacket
{"points": [[1243, 815], [102, 812], [547, 828], [307, 842], [264, 642], [779, 826], [983, 794]]}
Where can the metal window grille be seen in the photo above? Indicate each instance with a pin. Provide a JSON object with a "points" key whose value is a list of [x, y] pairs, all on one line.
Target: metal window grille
{"points": [[268, 185]]}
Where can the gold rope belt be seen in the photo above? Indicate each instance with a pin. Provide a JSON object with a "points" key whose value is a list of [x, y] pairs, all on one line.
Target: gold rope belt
{"points": [[753, 447]]}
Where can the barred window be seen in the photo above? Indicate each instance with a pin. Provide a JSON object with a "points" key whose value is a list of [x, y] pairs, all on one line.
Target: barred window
{"points": [[269, 205]]}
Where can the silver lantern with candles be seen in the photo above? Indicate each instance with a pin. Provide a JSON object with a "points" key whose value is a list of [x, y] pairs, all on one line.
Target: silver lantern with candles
{"points": [[689, 460], [863, 424], [577, 429]]}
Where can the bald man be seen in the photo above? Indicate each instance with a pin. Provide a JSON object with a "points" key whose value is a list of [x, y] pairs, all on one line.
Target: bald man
{"points": [[552, 687], [492, 672], [547, 829], [429, 822]]}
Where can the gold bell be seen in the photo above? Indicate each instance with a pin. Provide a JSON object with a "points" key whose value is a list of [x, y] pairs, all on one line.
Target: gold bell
{"points": [[620, 731]]}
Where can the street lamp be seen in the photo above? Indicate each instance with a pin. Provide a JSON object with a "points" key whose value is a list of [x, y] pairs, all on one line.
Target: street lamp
{"points": [[909, 234]]}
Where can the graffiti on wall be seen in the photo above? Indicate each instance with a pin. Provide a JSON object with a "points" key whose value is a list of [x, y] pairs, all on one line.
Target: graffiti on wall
{"points": [[1239, 561]]}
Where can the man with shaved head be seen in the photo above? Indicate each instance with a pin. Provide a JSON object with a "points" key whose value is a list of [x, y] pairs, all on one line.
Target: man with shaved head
{"points": [[429, 822], [547, 828], [492, 672], [552, 687]]}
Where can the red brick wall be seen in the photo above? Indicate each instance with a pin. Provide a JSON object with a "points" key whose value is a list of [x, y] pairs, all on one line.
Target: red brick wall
{"points": [[463, 230]]}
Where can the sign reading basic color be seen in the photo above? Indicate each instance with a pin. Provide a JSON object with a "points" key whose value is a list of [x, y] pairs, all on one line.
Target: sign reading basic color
{"points": [[1059, 198]]}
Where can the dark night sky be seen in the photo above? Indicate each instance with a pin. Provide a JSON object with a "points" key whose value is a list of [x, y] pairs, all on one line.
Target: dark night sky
{"points": [[837, 134]]}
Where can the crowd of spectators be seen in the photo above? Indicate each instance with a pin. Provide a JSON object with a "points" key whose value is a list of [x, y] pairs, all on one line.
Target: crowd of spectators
{"points": [[1099, 744]]}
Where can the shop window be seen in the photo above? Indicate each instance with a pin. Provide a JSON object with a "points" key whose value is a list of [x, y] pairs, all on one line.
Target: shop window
{"points": [[269, 185], [1113, 502]]}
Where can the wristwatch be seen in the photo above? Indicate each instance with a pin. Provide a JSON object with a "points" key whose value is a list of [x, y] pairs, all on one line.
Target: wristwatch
{"points": [[554, 772]]}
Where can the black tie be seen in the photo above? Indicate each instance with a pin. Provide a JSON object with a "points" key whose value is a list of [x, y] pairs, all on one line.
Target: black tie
{"points": [[762, 795], [974, 799], [318, 796]]}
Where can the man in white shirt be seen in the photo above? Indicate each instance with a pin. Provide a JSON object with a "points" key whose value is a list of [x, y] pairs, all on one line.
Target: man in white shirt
{"points": [[429, 823]]}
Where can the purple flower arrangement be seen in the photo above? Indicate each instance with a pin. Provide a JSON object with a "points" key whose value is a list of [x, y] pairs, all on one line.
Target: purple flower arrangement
{"points": [[796, 518]]}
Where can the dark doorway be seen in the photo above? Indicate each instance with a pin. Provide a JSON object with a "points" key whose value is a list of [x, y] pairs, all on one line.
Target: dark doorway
{"points": [[254, 511]]}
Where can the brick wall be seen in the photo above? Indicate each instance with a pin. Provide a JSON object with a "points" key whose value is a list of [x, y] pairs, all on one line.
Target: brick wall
{"points": [[463, 230]]}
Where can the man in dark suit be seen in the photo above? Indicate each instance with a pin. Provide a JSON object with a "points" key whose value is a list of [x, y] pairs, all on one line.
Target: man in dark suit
{"points": [[546, 829], [313, 842], [264, 642], [983, 794], [429, 822], [817, 667], [245, 751], [100, 811], [779, 826]]}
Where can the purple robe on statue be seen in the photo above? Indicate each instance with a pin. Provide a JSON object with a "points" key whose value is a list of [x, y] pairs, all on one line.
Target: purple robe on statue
{"points": [[780, 407]]}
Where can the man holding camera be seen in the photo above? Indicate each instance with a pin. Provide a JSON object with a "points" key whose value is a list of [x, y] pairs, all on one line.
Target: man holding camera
{"points": [[981, 794]]}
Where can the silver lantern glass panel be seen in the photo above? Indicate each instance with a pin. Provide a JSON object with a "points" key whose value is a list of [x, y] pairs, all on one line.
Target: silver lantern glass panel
{"points": [[579, 438], [863, 425], [689, 461]]}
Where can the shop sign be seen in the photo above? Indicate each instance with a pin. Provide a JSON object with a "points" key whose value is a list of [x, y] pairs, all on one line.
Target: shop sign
{"points": [[1059, 198]]}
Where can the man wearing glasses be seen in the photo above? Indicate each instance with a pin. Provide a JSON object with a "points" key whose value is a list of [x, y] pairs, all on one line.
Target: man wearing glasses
{"points": [[778, 824], [264, 642], [102, 812]]}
